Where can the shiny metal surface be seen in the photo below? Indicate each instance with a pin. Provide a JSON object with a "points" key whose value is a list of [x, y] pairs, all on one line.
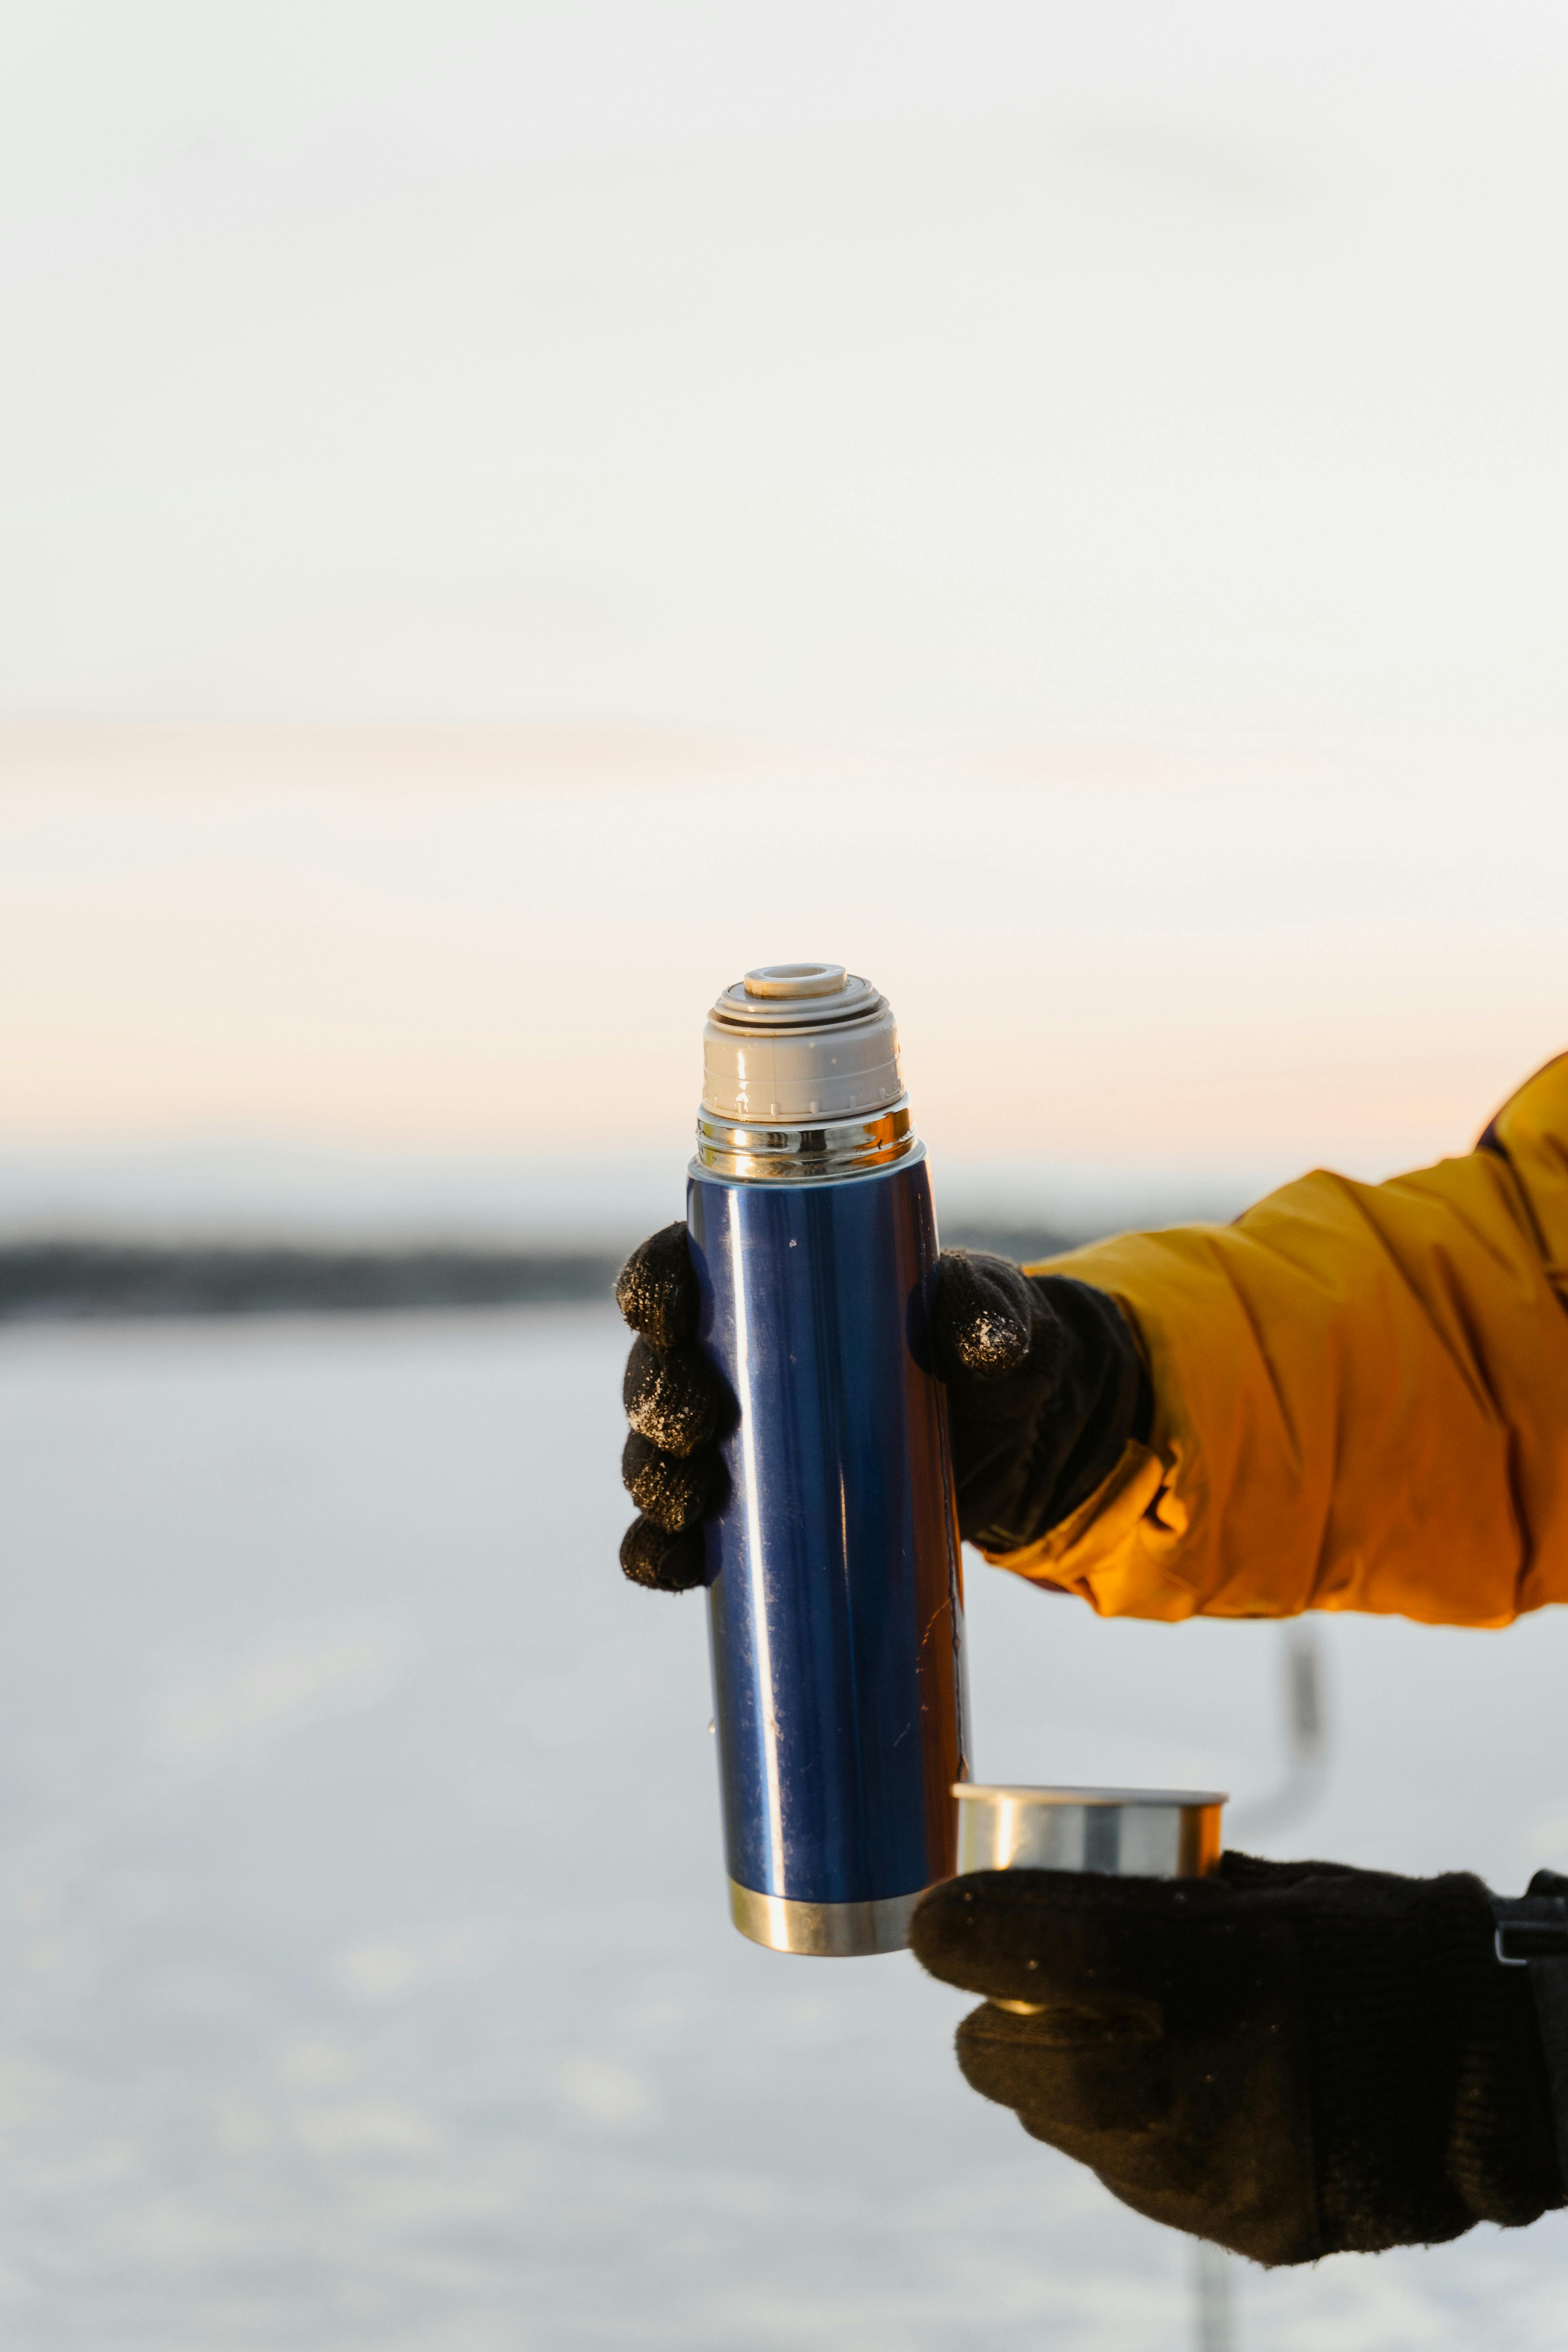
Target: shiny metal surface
{"points": [[1127, 1832], [811, 1155], [835, 1600], [823, 1931]]}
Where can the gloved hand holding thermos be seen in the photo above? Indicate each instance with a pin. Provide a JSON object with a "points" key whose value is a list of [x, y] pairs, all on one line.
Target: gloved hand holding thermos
{"points": [[1290, 2059], [1044, 1388], [789, 1450], [1044, 1383]]}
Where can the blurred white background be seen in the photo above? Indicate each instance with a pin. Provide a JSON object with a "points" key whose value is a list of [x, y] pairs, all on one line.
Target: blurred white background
{"points": [[508, 516], [366, 1976]]}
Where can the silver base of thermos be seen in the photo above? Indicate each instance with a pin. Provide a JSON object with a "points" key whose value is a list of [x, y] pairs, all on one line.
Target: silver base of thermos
{"points": [[824, 1931]]}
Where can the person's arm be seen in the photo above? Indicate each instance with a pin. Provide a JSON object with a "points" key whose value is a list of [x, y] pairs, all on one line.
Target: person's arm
{"points": [[1356, 1397], [1359, 1401], [1360, 1397]]}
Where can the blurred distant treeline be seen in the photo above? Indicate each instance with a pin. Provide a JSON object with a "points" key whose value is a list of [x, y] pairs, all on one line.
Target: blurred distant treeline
{"points": [[71, 1279]]}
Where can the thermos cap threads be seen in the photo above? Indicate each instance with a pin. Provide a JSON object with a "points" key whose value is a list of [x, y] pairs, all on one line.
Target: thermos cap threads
{"points": [[797, 1044]]}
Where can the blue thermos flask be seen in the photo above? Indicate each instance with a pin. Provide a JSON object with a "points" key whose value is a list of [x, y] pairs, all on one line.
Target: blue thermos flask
{"points": [[834, 1597]]}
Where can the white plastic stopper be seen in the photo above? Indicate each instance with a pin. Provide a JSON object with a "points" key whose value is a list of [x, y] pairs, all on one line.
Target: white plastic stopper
{"points": [[793, 1044], [789, 980]]}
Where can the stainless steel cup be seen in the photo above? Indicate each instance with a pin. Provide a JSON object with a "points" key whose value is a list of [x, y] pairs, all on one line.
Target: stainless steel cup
{"points": [[1127, 1832]]}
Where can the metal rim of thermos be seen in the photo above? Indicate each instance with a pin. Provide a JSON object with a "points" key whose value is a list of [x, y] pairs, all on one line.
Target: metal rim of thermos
{"points": [[832, 1148]]}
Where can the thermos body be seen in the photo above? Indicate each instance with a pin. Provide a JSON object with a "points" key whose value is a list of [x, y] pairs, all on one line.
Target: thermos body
{"points": [[835, 1606], [835, 1596]]}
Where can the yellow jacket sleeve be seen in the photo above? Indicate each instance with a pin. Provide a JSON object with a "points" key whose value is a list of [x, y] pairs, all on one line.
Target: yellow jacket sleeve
{"points": [[1360, 1397]]}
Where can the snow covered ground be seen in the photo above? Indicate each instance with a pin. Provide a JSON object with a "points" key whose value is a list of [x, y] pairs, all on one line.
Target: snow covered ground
{"points": [[364, 1971]]}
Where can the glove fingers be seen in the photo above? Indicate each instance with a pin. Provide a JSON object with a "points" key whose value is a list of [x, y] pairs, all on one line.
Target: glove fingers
{"points": [[674, 1401], [1068, 2073], [1064, 1935], [1205, 2132], [1251, 1875], [657, 1289], [672, 1396], [670, 1489], [984, 1317], [651, 1556]]}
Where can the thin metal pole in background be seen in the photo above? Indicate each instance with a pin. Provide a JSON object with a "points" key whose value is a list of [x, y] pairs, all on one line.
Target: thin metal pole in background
{"points": [[1213, 2312], [1306, 1762], [1306, 1742]]}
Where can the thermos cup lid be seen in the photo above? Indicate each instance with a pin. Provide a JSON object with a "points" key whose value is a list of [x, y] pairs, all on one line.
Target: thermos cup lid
{"points": [[1127, 1832], [795, 1044]]}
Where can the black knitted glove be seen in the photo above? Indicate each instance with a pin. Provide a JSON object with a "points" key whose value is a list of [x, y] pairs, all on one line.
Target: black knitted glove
{"points": [[1045, 1387], [675, 1402], [1293, 2059]]}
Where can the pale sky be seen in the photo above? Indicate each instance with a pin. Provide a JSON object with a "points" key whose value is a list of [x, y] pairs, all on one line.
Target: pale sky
{"points": [[1015, 372], [507, 942], [1066, 509]]}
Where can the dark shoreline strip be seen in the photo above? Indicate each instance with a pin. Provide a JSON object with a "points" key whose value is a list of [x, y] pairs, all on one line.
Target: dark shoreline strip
{"points": [[69, 1279]]}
